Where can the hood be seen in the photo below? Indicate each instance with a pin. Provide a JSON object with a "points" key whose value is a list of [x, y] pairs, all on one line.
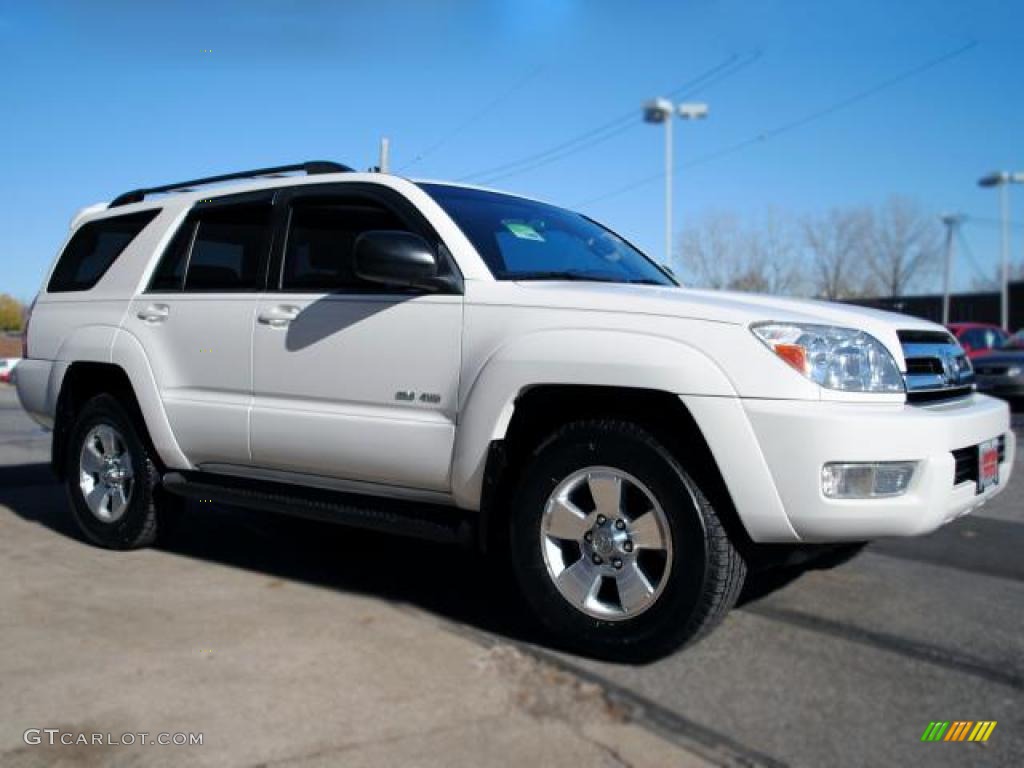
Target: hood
{"points": [[721, 307]]}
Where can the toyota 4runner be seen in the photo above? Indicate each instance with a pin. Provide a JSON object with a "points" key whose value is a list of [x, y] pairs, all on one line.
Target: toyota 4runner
{"points": [[463, 365]]}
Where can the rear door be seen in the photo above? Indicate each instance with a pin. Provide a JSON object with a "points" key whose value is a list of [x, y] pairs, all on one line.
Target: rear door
{"points": [[353, 380], [195, 323]]}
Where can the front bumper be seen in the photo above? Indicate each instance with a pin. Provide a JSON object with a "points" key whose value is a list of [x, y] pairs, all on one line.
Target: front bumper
{"points": [[794, 439]]}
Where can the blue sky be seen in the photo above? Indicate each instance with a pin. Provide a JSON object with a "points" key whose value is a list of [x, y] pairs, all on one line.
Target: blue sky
{"points": [[102, 97]]}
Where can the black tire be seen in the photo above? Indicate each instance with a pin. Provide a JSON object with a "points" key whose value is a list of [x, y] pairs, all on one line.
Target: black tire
{"points": [[706, 572], [137, 527]]}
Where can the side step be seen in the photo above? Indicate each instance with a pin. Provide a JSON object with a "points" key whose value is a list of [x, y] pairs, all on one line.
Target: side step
{"points": [[432, 522]]}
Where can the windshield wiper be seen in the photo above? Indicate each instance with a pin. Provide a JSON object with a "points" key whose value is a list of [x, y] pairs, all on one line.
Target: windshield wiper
{"points": [[564, 275]]}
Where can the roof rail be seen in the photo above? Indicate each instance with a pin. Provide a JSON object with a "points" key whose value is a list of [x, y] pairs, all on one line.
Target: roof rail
{"points": [[311, 168]]}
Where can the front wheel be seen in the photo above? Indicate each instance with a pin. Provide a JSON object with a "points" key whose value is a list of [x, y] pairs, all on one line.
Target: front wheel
{"points": [[616, 548]]}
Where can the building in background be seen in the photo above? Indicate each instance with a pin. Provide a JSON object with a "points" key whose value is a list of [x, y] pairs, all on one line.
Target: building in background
{"points": [[963, 308]]}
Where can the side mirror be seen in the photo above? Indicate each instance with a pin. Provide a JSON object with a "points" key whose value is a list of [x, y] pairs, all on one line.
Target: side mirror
{"points": [[395, 258]]}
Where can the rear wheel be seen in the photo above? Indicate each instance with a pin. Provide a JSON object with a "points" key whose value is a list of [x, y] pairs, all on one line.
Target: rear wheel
{"points": [[617, 549], [111, 480]]}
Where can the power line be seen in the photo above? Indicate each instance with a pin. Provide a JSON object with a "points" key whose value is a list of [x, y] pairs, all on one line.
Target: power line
{"points": [[987, 221], [472, 119], [609, 129], [792, 125], [628, 122], [979, 273]]}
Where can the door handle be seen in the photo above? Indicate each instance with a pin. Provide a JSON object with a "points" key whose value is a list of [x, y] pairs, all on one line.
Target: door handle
{"points": [[155, 313], [279, 316]]}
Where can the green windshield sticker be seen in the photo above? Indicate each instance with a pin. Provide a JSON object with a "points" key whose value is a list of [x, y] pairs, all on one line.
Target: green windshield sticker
{"points": [[523, 231]]}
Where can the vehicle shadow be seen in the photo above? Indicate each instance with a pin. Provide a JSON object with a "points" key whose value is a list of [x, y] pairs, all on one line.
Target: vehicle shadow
{"points": [[454, 583], [449, 581]]}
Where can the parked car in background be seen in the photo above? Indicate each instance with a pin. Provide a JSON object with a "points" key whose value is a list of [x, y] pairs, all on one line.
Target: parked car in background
{"points": [[978, 339], [1001, 371], [7, 365]]}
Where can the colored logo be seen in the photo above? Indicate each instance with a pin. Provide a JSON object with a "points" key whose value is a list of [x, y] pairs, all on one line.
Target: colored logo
{"points": [[959, 730]]}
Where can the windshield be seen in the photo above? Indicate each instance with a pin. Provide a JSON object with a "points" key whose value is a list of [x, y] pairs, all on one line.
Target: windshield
{"points": [[526, 240]]}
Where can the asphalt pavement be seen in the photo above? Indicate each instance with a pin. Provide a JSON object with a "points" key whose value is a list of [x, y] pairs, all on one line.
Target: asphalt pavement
{"points": [[839, 667]]}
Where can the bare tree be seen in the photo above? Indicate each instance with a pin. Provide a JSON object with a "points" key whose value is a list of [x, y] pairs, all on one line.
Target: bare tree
{"points": [[719, 252], [837, 241], [710, 252], [906, 245], [774, 263]]}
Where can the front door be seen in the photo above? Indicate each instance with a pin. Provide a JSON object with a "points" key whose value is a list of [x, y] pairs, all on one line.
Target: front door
{"points": [[352, 380]]}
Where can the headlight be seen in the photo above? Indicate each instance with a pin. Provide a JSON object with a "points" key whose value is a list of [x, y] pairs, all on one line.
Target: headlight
{"points": [[836, 358]]}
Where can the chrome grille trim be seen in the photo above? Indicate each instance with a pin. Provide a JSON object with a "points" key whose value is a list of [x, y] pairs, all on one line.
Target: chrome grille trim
{"points": [[937, 368]]}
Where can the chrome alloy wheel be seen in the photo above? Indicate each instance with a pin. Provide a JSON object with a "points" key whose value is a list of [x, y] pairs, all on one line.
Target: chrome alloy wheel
{"points": [[606, 543], [105, 473]]}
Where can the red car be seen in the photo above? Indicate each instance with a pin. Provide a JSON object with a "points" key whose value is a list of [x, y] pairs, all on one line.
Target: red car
{"points": [[978, 339]]}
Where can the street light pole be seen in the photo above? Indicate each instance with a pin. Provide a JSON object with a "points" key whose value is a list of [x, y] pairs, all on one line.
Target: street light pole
{"points": [[668, 191], [662, 111], [952, 221], [1004, 275], [1003, 180]]}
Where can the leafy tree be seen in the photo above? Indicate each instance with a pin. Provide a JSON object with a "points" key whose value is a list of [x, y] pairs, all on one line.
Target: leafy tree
{"points": [[11, 312]]}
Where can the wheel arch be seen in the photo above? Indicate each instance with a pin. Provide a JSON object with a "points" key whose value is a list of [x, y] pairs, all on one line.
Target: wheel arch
{"points": [[83, 380], [543, 409], [128, 377], [628, 361]]}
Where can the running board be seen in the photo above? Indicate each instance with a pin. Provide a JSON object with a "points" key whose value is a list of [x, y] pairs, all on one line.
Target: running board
{"points": [[432, 522]]}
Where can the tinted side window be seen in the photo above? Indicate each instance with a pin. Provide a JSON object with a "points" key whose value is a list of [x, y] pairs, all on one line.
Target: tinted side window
{"points": [[223, 248], [318, 254], [229, 249], [170, 272], [93, 248]]}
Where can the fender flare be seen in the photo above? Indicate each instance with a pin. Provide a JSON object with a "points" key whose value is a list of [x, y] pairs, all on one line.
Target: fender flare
{"points": [[584, 356], [127, 353]]}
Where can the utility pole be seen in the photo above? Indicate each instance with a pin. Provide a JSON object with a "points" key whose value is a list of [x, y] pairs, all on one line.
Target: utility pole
{"points": [[952, 222], [385, 152]]}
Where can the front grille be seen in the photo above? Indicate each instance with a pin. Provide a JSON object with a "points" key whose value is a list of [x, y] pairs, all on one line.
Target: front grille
{"points": [[923, 365], [925, 337], [966, 460], [937, 368], [937, 395]]}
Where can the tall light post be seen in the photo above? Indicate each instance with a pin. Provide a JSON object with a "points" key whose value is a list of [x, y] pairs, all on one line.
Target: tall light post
{"points": [[952, 222], [1003, 180], [662, 111]]}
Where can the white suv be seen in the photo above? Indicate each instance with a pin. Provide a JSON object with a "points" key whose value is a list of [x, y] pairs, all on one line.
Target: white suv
{"points": [[464, 365]]}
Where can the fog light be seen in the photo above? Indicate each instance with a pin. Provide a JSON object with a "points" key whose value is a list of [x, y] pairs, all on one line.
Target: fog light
{"points": [[866, 481]]}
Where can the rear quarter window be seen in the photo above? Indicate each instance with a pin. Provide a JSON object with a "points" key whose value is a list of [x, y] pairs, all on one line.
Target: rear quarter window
{"points": [[93, 248]]}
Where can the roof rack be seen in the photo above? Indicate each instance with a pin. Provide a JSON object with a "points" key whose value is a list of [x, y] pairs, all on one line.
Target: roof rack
{"points": [[311, 168]]}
